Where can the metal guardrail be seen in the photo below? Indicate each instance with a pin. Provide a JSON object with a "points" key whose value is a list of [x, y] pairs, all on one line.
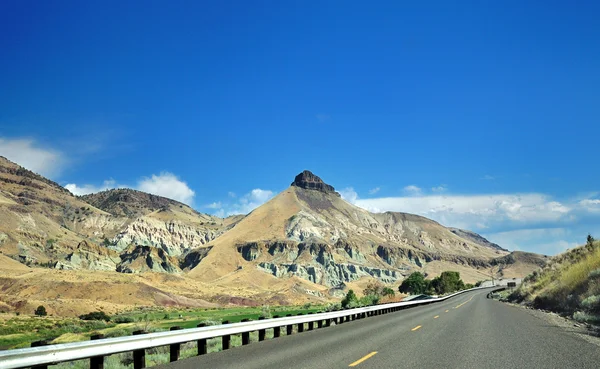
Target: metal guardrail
{"points": [[98, 349]]}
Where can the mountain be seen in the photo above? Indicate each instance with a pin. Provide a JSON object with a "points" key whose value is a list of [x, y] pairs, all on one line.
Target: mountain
{"points": [[42, 223], [309, 232], [121, 247], [474, 237]]}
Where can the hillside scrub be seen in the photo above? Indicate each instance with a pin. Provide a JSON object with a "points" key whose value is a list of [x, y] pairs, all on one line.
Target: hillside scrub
{"points": [[569, 284], [447, 282]]}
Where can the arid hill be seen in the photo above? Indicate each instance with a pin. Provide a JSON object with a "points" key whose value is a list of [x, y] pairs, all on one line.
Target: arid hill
{"points": [[305, 244]]}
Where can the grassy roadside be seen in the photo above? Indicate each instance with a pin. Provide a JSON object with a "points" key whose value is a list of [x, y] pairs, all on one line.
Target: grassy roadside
{"points": [[569, 285], [20, 331]]}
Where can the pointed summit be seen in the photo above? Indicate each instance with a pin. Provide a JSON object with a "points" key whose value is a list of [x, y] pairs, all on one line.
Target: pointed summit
{"points": [[310, 181]]}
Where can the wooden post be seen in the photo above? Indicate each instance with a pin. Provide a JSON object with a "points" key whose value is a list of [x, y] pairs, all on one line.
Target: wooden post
{"points": [[39, 344], [202, 346], [261, 332], [139, 356], [300, 326], [175, 348], [97, 362], [226, 340], [245, 335], [276, 330], [289, 327]]}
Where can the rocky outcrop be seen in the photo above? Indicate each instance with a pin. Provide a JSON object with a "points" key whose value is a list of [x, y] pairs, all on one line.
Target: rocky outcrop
{"points": [[309, 181], [147, 259], [316, 262], [91, 257], [174, 237], [403, 258], [193, 258]]}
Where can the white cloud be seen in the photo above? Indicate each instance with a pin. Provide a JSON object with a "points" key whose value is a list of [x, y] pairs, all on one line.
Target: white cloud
{"points": [[373, 191], [29, 154], [214, 205], [412, 190], [86, 189], [168, 185], [548, 241], [440, 188], [476, 211], [249, 202], [591, 205], [349, 195]]}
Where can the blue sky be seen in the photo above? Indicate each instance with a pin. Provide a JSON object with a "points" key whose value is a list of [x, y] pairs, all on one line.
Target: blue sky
{"points": [[481, 115]]}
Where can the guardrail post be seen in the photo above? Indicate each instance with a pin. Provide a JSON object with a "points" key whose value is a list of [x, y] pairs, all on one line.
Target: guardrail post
{"points": [[202, 346], [38, 344], [311, 325], [175, 348], [139, 356], [289, 327], [97, 362], [261, 332], [328, 322], [300, 325], [320, 324], [245, 335], [226, 340], [276, 330]]}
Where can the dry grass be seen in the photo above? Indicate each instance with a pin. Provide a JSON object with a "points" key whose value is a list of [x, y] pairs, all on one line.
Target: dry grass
{"points": [[564, 284]]}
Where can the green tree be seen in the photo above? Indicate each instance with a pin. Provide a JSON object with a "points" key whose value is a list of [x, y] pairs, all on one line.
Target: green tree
{"points": [[590, 242], [448, 282], [350, 300], [415, 284], [40, 311], [96, 315], [388, 292]]}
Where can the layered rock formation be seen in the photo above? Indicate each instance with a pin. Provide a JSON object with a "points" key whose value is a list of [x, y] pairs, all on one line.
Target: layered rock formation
{"points": [[309, 181]]}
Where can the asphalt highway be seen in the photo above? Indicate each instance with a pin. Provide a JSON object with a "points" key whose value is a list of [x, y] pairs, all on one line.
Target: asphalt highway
{"points": [[466, 331]]}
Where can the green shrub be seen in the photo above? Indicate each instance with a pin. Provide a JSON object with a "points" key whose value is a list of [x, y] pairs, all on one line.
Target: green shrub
{"points": [[415, 284], [96, 315], [123, 319], [40, 311], [349, 300]]}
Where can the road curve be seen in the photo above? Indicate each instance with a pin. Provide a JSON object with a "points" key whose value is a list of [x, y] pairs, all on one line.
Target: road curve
{"points": [[467, 331]]}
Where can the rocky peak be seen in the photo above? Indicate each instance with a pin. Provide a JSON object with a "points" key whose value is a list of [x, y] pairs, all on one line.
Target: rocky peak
{"points": [[310, 181]]}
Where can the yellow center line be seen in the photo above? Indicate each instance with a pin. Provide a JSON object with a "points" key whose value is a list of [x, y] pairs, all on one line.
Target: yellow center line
{"points": [[435, 317], [456, 307], [447, 310], [363, 358], [415, 328]]}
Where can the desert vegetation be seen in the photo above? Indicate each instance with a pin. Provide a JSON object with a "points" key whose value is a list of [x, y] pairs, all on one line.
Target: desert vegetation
{"points": [[21, 330], [447, 282], [569, 284]]}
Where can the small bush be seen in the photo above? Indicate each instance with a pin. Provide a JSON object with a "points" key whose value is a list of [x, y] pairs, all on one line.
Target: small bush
{"points": [[350, 300], [266, 312], [123, 319], [40, 311], [583, 317], [96, 315], [592, 304]]}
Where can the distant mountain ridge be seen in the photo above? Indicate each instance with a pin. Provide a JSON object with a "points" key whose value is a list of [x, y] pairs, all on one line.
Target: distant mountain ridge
{"points": [[130, 203], [306, 242], [475, 238]]}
